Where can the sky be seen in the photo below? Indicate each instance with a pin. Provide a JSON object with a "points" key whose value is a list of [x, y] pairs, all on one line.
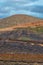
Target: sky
{"points": [[28, 7]]}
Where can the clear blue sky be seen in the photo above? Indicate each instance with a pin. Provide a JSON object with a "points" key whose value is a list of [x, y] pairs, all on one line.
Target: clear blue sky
{"points": [[29, 7]]}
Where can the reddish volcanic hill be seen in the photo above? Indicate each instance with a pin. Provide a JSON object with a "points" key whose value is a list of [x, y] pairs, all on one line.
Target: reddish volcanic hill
{"points": [[17, 21]]}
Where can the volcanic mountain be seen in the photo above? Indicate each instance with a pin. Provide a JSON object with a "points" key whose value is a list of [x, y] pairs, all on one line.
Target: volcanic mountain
{"points": [[19, 21]]}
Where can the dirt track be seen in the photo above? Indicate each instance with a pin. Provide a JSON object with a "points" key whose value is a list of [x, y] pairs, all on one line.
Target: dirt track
{"points": [[19, 26], [14, 27]]}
